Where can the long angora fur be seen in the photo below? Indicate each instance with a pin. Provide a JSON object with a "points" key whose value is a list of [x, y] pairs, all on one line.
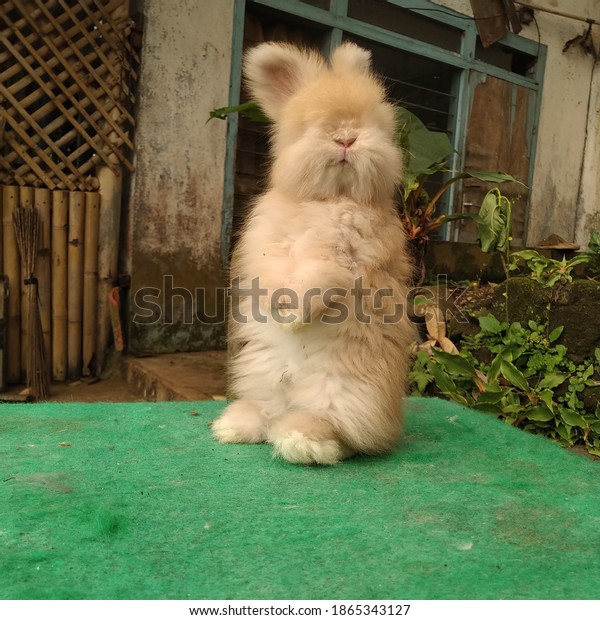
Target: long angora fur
{"points": [[319, 367]]}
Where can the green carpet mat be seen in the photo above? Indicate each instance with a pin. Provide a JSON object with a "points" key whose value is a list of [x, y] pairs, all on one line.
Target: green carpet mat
{"points": [[122, 501]]}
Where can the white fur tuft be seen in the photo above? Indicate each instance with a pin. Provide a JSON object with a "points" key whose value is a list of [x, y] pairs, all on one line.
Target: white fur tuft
{"points": [[297, 448], [348, 58], [241, 422]]}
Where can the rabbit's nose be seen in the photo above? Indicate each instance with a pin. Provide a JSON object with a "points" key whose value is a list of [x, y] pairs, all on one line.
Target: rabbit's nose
{"points": [[346, 142]]}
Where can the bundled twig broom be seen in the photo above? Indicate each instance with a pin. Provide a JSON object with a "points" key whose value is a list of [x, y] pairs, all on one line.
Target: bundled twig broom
{"points": [[27, 230]]}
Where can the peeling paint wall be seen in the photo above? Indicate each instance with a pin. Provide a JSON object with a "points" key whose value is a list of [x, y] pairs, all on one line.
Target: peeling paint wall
{"points": [[565, 196], [177, 191]]}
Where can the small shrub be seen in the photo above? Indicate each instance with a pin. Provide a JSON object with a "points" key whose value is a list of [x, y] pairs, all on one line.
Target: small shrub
{"points": [[522, 375]]}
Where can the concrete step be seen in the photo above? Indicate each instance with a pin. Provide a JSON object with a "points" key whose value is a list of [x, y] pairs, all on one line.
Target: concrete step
{"points": [[177, 376]]}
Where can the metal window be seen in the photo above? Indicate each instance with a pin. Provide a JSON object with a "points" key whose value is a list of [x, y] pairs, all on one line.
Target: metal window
{"points": [[434, 62]]}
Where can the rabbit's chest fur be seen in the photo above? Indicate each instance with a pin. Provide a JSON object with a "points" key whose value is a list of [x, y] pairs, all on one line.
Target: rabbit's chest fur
{"points": [[355, 237], [340, 231]]}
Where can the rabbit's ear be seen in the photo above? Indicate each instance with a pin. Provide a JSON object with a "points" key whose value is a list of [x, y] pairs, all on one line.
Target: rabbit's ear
{"points": [[275, 71], [349, 58]]}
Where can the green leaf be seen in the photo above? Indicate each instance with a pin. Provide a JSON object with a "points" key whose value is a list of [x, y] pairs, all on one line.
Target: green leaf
{"points": [[421, 379], [588, 372], [494, 177], [491, 397], [516, 408], [444, 383], [561, 349], [565, 433], [462, 216], [552, 280], [539, 414], [512, 374], [494, 370], [426, 149], [454, 364], [555, 333], [493, 230], [527, 255], [515, 331], [547, 397], [582, 258], [490, 324], [595, 427], [250, 109], [572, 418], [552, 380], [487, 407]]}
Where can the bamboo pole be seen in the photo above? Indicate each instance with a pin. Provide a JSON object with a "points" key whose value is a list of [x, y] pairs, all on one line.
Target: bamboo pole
{"points": [[3, 312], [60, 210], [25, 200], [1, 223], [110, 179], [75, 283], [3, 305], [12, 268], [111, 187], [90, 279], [42, 200]]}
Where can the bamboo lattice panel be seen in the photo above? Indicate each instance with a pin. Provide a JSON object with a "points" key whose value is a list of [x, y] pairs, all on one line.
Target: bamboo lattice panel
{"points": [[66, 75]]}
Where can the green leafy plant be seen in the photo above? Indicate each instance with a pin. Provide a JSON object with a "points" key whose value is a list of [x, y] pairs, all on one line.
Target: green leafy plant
{"points": [[522, 375], [493, 222], [494, 225], [428, 153], [593, 268], [548, 271], [594, 244]]}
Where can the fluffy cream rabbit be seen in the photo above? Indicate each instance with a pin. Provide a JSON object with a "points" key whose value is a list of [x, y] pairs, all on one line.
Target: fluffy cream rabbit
{"points": [[320, 271]]}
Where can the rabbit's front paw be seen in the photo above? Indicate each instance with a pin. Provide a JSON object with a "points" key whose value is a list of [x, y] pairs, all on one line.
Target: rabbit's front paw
{"points": [[296, 448], [243, 421], [307, 439]]}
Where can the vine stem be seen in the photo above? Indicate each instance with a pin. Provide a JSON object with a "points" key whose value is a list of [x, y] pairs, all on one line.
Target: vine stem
{"points": [[505, 261]]}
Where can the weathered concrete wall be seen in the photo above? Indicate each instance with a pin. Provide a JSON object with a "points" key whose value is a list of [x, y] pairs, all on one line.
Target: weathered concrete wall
{"points": [[565, 196], [588, 205], [177, 191], [563, 122]]}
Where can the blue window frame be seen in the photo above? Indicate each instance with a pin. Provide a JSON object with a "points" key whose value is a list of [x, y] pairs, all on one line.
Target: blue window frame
{"points": [[439, 40]]}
